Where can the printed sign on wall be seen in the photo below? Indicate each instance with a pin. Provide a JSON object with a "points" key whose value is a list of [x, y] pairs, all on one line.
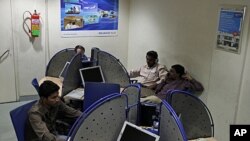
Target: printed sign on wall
{"points": [[89, 18], [230, 28]]}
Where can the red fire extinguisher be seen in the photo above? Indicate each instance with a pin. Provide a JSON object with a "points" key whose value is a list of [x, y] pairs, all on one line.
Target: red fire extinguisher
{"points": [[35, 24]]}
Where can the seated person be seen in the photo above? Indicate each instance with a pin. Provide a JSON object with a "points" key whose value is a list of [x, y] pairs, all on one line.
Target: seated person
{"points": [[81, 49], [41, 124], [176, 79], [151, 74]]}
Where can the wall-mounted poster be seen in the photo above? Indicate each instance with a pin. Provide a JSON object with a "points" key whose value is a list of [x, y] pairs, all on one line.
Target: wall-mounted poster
{"points": [[89, 18], [230, 27]]}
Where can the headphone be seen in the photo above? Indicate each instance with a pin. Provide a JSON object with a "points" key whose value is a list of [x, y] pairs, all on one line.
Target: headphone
{"points": [[156, 60]]}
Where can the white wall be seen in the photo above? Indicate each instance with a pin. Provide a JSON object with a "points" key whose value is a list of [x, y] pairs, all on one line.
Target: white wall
{"points": [[226, 82], [118, 46], [7, 73], [176, 32], [29, 55], [185, 32]]}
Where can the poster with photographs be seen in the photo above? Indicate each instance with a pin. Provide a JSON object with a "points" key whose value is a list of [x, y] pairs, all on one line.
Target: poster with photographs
{"points": [[231, 19], [89, 18]]}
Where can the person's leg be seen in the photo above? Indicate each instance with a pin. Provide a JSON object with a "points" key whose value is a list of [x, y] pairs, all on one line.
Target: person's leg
{"points": [[151, 99]]}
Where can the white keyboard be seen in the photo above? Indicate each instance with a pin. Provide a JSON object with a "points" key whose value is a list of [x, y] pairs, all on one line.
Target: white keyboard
{"points": [[75, 94]]}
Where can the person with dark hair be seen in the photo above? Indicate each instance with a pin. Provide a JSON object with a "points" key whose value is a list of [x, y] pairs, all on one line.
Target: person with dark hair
{"points": [[43, 115], [151, 74], [176, 79], [81, 49]]}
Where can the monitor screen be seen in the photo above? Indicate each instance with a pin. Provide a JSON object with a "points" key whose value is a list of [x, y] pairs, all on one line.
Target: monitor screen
{"points": [[132, 132], [91, 74], [64, 70]]}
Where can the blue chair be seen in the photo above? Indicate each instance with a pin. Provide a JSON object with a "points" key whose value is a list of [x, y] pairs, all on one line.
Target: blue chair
{"points": [[195, 116], [94, 91], [19, 117], [102, 121], [35, 84], [93, 57], [170, 128]]}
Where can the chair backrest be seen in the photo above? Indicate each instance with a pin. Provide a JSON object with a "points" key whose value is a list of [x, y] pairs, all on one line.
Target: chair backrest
{"points": [[93, 57], [195, 115], [94, 91], [19, 118], [103, 121], [35, 84], [133, 92], [171, 128], [111, 64], [72, 78], [58, 61]]}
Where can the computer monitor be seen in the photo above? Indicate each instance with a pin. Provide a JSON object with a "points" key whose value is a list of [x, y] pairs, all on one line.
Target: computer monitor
{"points": [[91, 74], [132, 132], [64, 70]]}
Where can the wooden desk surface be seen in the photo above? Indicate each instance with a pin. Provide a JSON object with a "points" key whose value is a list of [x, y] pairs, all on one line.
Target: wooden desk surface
{"points": [[56, 80]]}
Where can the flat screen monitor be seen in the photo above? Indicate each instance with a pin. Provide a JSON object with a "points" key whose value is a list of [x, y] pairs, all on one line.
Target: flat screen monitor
{"points": [[91, 74], [131, 132], [64, 70]]}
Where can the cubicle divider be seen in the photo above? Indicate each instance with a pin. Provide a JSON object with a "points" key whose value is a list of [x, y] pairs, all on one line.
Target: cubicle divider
{"points": [[171, 128], [72, 79], [133, 92], [113, 70], [102, 121], [194, 114], [58, 61]]}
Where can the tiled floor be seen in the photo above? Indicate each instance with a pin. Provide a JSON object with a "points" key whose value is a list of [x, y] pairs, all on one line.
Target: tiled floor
{"points": [[7, 132]]}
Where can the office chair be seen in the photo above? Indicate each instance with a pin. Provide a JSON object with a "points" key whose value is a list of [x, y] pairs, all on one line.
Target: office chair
{"points": [[195, 116], [170, 128], [133, 92], [35, 84], [19, 117], [102, 121], [93, 57]]}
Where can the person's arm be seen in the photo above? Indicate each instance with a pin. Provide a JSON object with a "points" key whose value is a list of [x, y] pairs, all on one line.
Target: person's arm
{"points": [[160, 86], [193, 84], [40, 127], [68, 111], [134, 73], [162, 74], [196, 86]]}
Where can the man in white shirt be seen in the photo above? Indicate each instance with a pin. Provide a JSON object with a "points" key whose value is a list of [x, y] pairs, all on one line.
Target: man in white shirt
{"points": [[151, 74]]}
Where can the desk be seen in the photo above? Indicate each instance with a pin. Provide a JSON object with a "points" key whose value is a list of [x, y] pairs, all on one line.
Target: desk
{"points": [[77, 94], [56, 80]]}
